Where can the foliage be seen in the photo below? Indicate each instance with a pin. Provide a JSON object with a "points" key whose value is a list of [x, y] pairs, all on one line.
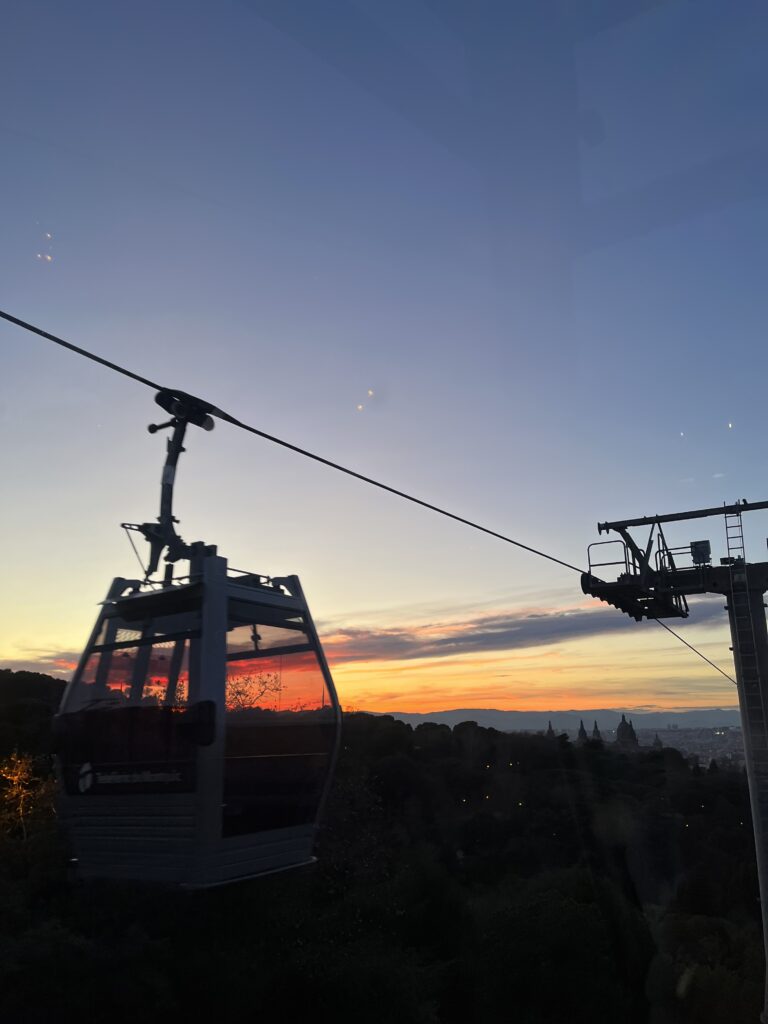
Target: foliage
{"points": [[463, 874]]}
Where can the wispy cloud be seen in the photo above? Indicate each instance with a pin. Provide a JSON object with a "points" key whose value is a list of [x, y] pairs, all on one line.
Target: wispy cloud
{"points": [[481, 633], [500, 631], [53, 663]]}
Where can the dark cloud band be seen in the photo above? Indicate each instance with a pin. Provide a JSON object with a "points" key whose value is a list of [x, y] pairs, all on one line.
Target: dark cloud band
{"points": [[498, 632]]}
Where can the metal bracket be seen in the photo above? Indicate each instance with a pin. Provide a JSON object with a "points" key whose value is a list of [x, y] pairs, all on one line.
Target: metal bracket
{"points": [[641, 591]]}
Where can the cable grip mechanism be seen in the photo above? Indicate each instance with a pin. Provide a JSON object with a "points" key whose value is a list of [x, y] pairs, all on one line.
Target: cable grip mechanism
{"points": [[184, 409]]}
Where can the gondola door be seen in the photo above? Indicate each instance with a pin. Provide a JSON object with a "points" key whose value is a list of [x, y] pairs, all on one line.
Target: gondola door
{"points": [[281, 721]]}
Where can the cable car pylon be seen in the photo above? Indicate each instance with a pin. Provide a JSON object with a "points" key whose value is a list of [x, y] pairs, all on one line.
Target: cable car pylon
{"points": [[655, 585], [197, 739]]}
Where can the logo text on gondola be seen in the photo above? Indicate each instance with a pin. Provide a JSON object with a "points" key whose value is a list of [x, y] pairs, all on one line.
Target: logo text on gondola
{"points": [[110, 778], [126, 778]]}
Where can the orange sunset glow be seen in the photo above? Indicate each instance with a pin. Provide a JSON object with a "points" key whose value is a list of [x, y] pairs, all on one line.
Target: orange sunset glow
{"points": [[531, 659], [578, 676], [525, 658]]}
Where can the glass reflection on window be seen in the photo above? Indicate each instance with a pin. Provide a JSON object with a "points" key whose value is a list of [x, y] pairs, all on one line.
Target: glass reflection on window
{"points": [[148, 675], [286, 683], [255, 637]]}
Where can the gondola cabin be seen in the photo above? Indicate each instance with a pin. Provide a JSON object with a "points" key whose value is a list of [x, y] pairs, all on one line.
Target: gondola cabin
{"points": [[197, 737]]}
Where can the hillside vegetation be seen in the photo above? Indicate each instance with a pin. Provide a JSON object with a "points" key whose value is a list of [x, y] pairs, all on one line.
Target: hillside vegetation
{"points": [[464, 875]]}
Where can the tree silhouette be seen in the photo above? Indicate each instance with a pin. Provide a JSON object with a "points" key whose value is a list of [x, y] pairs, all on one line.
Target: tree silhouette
{"points": [[248, 691]]}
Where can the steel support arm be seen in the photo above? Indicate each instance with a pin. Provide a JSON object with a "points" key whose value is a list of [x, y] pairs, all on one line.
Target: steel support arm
{"points": [[675, 517]]}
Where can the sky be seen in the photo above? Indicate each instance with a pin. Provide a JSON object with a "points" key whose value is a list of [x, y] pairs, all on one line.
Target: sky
{"points": [[508, 257]]}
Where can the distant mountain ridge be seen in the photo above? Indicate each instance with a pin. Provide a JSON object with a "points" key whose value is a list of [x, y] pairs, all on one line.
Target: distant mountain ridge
{"points": [[607, 718], [21, 686]]}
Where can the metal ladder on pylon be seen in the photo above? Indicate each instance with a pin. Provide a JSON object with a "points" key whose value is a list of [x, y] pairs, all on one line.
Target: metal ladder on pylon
{"points": [[744, 638]]}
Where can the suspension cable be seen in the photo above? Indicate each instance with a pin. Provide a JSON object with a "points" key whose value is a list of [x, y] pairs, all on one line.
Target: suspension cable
{"points": [[80, 351], [695, 650], [220, 414]]}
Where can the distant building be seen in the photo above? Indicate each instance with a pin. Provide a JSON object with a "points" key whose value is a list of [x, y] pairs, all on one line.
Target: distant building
{"points": [[625, 734], [582, 737], [726, 747], [657, 744], [596, 732], [550, 731]]}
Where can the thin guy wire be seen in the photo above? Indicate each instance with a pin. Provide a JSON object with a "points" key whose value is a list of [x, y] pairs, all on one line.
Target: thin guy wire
{"points": [[695, 650], [135, 550], [327, 462]]}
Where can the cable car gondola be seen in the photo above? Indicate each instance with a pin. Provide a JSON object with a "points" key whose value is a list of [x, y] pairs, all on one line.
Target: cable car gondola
{"points": [[197, 739]]}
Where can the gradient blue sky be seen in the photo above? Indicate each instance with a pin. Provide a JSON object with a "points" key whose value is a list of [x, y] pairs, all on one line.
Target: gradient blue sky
{"points": [[537, 231]]}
